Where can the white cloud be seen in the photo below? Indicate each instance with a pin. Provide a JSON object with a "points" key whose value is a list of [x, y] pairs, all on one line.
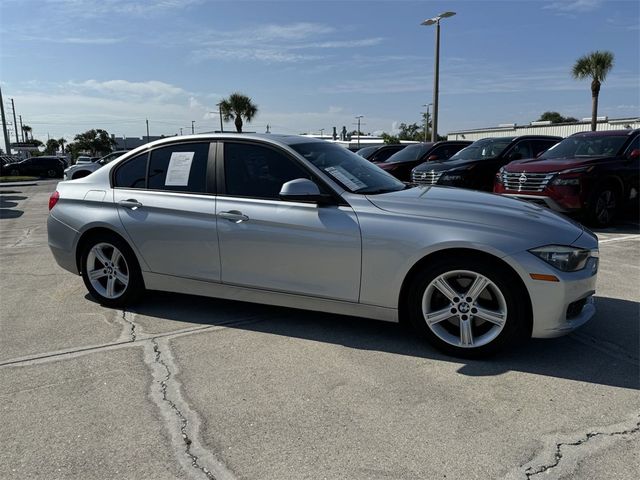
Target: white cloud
{"points": [[124, 88], [94, 8], [574, 6]]}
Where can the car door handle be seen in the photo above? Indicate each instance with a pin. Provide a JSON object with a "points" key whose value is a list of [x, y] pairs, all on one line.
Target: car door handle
{"points": [[234, 216], [131, 203]]}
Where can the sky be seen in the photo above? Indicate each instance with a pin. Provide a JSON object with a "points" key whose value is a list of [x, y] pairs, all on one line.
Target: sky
{"points": [[72, 65]]}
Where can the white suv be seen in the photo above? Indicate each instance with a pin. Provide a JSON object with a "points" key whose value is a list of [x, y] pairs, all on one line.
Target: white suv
{"points": [[84, 168]]}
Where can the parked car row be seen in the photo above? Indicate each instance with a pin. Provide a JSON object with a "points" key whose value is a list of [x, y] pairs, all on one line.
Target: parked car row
{"points": [[592, 174]]}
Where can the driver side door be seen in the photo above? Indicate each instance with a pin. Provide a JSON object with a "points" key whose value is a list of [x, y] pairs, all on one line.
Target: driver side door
{"points": [[281, 245]]}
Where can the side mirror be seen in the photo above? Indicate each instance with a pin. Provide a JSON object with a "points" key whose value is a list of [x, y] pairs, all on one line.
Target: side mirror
{"points": [[432, 157], [635, 153], [303, 190]]}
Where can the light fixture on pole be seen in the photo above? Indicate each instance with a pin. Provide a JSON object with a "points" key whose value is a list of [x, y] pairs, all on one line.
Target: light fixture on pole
{"points": [[436, 21], [426, 120]]}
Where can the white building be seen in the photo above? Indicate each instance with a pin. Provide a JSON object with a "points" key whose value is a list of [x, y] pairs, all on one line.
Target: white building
{"points": [[545, 128]]}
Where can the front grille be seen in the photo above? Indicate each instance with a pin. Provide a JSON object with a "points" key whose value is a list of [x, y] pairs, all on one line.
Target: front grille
{"points": [[430, 177], [525, 181]]}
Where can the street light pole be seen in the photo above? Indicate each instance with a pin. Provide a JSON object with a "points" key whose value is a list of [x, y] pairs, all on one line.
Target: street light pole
{"points": [[359, 117], [436, 70], [193, 131]]}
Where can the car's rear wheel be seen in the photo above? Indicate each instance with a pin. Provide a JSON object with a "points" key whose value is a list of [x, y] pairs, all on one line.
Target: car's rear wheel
{"points": [[603, 206], [468, 307], [111, 272], [52, 173]]}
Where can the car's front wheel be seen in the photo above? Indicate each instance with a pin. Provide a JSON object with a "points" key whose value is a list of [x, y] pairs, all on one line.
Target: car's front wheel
{"points": [[468, 307], [111, 272]]}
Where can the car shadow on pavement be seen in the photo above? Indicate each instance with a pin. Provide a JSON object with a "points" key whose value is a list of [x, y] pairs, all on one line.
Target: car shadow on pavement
{"points": [[599, 357], [8, 204]]}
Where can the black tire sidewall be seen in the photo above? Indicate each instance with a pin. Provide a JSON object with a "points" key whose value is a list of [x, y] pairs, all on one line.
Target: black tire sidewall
{"points": [[515, 329], [134, 289], [592, 214]]}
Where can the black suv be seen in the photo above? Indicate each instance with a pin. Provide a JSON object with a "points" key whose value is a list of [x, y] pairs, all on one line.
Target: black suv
{"points": [[379, 153], [51, 167], [400, 164], [476, 166]]}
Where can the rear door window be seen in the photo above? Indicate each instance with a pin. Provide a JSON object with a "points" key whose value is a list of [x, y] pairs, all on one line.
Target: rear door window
{"points": [[179, 168], [132, 173]]}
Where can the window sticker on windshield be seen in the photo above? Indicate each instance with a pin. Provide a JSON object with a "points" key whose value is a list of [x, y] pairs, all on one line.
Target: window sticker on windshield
{"points": [[346, 178], [179, 169]]}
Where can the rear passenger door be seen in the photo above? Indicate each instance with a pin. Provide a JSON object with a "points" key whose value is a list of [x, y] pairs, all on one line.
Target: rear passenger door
{"points": [[165, 200]]}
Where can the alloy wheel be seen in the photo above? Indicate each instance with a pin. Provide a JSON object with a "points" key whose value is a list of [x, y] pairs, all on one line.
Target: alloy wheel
{"points": [[464, 308], [605, 205], [107, 270]]}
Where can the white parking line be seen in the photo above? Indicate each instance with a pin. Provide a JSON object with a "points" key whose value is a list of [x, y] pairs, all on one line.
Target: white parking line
{"points": [[620, 239]]}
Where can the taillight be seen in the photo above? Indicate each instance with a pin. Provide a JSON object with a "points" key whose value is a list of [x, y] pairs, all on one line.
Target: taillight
{"points": [[53, 199]]}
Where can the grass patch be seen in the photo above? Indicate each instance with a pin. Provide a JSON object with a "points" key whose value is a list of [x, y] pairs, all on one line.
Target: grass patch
{"points": [[17, 179]]}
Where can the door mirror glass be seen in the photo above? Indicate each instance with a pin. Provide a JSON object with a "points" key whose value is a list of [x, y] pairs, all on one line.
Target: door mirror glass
{"points": [[635, 153], [433, 157]]}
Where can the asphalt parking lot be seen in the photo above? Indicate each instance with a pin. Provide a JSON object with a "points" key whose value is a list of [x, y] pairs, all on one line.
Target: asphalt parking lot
{"points": [[189, 387]]}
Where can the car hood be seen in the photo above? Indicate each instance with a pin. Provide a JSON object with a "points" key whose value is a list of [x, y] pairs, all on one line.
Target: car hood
{"points": [[442, 165], [554, 165], [471, 207]]}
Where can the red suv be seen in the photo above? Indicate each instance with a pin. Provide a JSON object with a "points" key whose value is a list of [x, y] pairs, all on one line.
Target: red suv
{"points": [[592, 173]]}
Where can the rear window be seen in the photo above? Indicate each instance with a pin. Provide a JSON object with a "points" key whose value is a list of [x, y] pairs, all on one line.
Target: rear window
{"points": [[132, 173], [586, 146], [179, 168]]}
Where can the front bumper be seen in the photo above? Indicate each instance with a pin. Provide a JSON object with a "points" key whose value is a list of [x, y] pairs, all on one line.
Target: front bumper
{"points": [[558, 307]]}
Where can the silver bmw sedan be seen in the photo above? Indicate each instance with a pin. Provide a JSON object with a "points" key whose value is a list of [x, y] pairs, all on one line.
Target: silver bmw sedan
{"points": [[297, 222]]}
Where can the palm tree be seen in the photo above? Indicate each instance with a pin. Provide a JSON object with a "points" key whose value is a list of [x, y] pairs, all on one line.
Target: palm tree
{"points": [[596, 66], [62, 141], [27, 130], [237, 106]]}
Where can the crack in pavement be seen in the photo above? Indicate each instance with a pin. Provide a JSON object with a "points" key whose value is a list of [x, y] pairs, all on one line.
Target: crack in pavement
{"points": [[530, 472], [25, 235], [187, 432], [77, 351], [132, 332]]}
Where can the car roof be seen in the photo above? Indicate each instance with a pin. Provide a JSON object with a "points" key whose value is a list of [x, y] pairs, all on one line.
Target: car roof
{"points": [[607, 133]]}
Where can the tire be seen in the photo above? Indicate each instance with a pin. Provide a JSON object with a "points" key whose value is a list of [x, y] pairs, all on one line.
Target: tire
{"points": [[51, 173], [111, 272], [602, 206], [495, 317]]}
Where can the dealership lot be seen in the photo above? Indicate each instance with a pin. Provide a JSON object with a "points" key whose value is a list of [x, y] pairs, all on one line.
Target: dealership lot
{"points": [[189, 387]]}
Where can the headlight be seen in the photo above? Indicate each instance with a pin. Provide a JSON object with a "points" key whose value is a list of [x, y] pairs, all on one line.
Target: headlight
{"points": [[566, 181], [567, 259]]}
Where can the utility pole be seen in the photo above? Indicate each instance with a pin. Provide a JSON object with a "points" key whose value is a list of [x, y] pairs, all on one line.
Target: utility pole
{"points": [[15, 123], [359, 117], [7, 144], [426, 120], [147, 120], [220, 112], [193, 131], [321, 132], [21, 129], [180, 131], [268, 128]]}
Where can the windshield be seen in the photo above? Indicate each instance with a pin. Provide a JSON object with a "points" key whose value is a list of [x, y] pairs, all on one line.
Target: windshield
{"points": [[581, 146], [364, 152], [483, 149], [410, 153], [353, 172]]}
